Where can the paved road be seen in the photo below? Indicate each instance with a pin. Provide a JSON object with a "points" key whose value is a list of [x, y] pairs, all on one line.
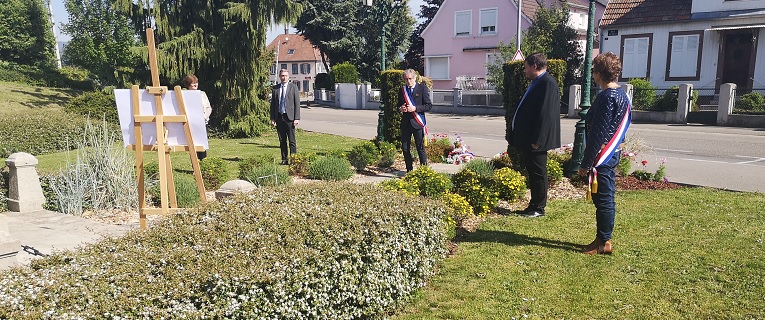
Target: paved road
{"points": [[720, 157]]}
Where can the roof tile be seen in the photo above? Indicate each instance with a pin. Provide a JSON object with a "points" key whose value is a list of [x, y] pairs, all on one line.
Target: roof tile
{"points": [[620, 12]]}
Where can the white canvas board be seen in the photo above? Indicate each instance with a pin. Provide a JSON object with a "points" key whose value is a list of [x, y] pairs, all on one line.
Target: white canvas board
{"points": [[175, 136]]}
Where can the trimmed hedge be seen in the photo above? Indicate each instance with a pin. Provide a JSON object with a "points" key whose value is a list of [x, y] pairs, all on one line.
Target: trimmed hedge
{"points": [[344, 73], [66, 77], [96, 105], [319, 250], [40, 131]]}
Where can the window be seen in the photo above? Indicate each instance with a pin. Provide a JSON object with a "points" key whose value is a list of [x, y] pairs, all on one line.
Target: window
{"points": [[305, 68], [294, 68], [437, 68], [273, 69], [636, 56], [684, 56], [488, 21], [291, 51], [320, 68], [491, 59], [462, 21], [578, 20], [284, 66], [305, 85]]}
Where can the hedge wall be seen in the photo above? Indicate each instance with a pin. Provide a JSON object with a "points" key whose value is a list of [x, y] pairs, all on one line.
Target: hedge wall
{"points": [[390, 82], [516, 83], [308, 251]]}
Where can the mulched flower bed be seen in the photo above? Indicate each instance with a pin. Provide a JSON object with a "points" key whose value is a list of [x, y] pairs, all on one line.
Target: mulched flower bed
{"points": [[632, 183]]}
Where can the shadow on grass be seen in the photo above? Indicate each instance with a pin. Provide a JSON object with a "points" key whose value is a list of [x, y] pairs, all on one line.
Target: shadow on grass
{"points": [[43, 99], [515, 239], [262, 145]]}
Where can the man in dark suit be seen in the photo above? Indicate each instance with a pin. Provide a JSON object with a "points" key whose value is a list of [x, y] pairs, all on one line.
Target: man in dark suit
{"points": [[413, 101], [285, 113], [535, 129]]}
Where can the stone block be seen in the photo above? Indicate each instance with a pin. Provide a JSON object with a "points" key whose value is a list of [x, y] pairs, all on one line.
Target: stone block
{"points": [[233, 187], [24, 190]]}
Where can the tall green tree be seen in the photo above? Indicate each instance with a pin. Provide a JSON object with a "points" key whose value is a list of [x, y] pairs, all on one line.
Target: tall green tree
{"points": [[346, 31], [101, 40], [413, 58], [223, 43], [550, 34], [26, 36]]}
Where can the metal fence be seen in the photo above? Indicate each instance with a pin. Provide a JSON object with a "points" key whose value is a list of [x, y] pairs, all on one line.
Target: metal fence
{"points": [[481, 98], [707, 99], [655, 99]]}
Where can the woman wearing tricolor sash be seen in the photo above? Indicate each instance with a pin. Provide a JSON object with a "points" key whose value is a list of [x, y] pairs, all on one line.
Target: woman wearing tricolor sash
{"points": [[607, 123], [413, 101]]}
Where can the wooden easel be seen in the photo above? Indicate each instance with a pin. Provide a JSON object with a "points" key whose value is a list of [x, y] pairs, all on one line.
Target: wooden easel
{"points": [[166, 182]]}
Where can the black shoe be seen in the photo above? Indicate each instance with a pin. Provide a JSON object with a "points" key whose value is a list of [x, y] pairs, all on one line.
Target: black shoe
{"points": [[534, 213], [284, 162]]}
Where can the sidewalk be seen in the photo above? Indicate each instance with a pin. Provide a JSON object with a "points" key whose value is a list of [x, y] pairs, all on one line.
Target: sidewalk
{"points": [[45, 232]]}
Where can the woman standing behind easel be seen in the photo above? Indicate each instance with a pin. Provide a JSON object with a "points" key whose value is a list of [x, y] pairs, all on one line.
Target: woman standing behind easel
{"points": [[191, 82]]}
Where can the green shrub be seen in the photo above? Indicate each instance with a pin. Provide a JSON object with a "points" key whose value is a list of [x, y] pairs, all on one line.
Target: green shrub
{"points": [[363, 155], [388, 154], [247, 165], [299, 162], [66, 77], [554, 172], [428, 182], [624, 166], [151, 170], [459, 208], [338, 153], [40, 131], [390, 82], [214, 172], [95, 105], [642, 175], [331, 169], [644, 95], [509, 184], [324, 81], [476, 190], [482, 167], [269, 174], [186, 193], [344, 73], [752, 101], [438, 149], [563, 158], [338, 250], [406, 186]]}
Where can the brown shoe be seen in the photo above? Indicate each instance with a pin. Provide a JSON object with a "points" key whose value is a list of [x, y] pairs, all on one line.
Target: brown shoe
{"points": [[592, 246], [600, 248]]}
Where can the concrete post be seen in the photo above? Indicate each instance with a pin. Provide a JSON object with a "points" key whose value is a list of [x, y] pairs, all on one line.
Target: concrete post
{"points": [[629, 90], [574, 98], [457, 95], [684, 95], [725, 105], [24, 190]]}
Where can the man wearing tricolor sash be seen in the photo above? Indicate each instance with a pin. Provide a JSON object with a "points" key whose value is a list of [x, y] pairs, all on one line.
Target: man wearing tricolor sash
{"points": [[607, 122], [413, 101]]}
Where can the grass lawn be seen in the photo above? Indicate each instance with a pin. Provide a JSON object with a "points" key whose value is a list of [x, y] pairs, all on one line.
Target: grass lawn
{"points": [[231, 150], [693, 253], [19, 97]]}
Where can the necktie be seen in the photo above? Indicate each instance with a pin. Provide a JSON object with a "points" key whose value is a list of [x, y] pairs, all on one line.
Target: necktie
{"points": [[282, 108]]}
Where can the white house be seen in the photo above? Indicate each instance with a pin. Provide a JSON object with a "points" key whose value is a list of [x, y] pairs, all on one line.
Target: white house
{"points": [[464, 35], [701, 42]]}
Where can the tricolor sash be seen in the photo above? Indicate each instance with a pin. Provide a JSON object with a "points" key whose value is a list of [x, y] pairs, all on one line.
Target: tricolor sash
{"points": [[419, 118], [608, 150]]}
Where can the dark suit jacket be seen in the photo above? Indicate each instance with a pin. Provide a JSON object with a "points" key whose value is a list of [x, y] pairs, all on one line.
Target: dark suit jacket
{"points": [[292, 102], [537, 119], [421, 97]]}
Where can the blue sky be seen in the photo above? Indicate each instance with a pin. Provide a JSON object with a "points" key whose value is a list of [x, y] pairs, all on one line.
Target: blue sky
{"points": [[60, 16]]}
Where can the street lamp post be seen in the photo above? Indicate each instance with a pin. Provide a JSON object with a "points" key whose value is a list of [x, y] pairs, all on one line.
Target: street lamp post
{"points": [[382, 17], [578, 151]]}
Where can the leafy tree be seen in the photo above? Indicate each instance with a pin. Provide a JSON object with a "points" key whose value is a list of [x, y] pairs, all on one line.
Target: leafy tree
{"points": [[345, 31], [413, 57], [101, 40], [550, 34], [26, 36], [223, 43]]}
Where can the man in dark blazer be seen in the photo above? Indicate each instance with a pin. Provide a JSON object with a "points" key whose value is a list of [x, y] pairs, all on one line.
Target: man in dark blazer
{"points": [[413, 101], [285, 113], [535, 129]]}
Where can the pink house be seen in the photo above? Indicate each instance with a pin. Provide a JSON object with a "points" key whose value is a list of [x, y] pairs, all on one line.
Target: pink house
{"points": [[464, 35]]}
